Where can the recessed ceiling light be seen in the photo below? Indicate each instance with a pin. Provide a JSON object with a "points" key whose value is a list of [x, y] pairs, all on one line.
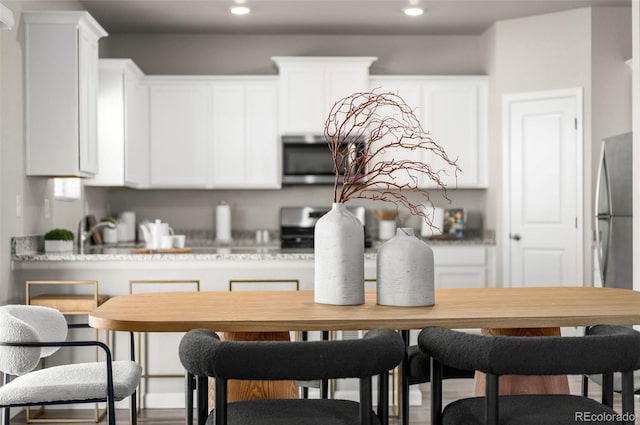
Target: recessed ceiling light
{"points": [[413, 11], [240, 10]]}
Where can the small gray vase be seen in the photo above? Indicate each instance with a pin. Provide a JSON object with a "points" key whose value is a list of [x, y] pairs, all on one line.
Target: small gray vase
{"points": [[404, 271]]}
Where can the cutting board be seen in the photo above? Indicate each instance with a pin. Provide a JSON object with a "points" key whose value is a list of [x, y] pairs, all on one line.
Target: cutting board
{"points": [[161, 251]]}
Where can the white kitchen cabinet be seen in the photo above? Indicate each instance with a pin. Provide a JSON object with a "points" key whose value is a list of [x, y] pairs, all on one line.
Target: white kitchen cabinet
{"points": [[453, 109], [463, 266], [123, 126], [178, 133], [61, 80], [245, 150], [310, 86]]}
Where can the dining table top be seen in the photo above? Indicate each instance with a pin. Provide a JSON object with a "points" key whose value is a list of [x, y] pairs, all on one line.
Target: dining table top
{"points": [[266, 311]]}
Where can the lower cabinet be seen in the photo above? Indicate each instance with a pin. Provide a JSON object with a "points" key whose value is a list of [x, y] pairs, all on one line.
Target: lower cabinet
{"points": [[463, 266]]}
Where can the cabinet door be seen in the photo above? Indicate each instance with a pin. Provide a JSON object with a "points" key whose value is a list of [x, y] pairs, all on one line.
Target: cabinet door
{"points": [[245, 136], [460, 277], [341, 81], [453, 112], [460, 266], [302, 100], [88, 101], [410, 92], [123, 123], [111, 121], [263, 144], [178, 135], [61, 77], [228, 165], [136, 158]]}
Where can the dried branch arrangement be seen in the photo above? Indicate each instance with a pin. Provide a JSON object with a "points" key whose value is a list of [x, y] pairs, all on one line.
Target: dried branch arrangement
{"points": [[388, 127]]}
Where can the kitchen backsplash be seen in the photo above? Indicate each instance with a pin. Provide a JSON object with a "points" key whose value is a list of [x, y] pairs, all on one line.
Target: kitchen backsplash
{"points": [[254, 209]]}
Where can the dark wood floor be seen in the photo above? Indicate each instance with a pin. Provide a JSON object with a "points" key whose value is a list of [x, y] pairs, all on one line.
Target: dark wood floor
{"points": [[419, 415]]}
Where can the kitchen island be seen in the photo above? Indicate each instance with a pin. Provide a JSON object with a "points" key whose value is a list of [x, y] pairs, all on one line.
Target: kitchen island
{"points": [[241, 267]]}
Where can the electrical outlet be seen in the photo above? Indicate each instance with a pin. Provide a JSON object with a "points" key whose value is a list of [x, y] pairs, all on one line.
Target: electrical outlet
{"points": [[47, 209], [18, 206]]}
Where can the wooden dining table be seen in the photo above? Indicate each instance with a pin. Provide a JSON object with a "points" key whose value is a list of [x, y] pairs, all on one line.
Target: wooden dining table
{"points": [[284, 311]]}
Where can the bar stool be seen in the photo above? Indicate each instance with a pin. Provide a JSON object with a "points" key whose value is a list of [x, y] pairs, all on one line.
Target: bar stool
{"points": [[84, 297], [142, 356]]}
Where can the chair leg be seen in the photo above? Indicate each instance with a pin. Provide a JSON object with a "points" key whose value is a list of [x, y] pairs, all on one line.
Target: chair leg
{"points": [[383, 398], [202, 403], [133, 412], [585, 386], [6, 412], [491, 399], [436, 392], [627, 397], [189, 387], [220, 410], [607, 389], [404, 381], [365, 401], [324, 383]]}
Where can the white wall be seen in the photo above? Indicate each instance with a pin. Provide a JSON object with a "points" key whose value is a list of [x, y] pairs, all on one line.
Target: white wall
{"points": [[569, 49], [251, 54], [13, 181]]}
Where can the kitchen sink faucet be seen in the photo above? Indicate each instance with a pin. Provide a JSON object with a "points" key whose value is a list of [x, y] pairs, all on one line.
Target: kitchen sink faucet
{"points": [[84, 234]]}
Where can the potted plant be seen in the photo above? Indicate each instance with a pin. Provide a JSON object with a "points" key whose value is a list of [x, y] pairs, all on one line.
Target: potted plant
{"points": [[58, 240]]}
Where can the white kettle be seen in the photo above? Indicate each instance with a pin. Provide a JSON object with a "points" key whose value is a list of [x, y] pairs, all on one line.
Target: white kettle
{"points": [[152, 233]]}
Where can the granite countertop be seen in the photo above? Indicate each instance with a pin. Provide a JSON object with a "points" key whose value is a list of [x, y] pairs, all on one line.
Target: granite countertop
{"points": [[29, 249]]}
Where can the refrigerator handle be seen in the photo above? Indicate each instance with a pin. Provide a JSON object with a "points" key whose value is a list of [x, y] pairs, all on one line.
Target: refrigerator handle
{"points": [[603, 178]]}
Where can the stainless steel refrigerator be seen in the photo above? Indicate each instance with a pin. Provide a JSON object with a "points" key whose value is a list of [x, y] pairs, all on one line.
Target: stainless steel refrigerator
{"points": [[613, 213]]}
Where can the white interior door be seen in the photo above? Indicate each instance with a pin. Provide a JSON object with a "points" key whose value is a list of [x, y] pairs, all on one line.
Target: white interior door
{"points": [[542, 190]]}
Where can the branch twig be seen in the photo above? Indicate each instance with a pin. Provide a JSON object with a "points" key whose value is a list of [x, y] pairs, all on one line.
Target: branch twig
{"points": [[388, 128]]}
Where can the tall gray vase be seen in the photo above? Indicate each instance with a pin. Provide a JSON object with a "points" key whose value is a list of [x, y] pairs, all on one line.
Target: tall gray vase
{"points": [[404, 271], [339, 258]]}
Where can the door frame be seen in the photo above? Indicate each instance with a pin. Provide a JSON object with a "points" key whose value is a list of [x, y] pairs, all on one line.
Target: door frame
{"points": [[507, 101]]}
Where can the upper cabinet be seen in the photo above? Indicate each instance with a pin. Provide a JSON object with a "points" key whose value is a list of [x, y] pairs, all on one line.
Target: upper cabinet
{"points": [[244, 134], [179, 139], [61, 80], [123, 126], [454, 112], [310, 86], [214, 132]]}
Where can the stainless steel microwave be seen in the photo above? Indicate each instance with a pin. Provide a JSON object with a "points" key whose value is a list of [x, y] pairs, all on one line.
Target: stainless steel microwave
{"points": [[306, 159]]}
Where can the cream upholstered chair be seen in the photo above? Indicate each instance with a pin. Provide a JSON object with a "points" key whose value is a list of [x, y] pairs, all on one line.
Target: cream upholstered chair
{"points": [[29, 333]]}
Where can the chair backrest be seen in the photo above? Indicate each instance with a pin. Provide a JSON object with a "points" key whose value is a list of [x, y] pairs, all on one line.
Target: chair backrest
{"points": [[204, 354], [28, 323], [615, 350]]}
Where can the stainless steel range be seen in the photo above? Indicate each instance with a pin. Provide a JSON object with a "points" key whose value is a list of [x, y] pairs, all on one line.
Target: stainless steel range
{"points": [[297, 225]]}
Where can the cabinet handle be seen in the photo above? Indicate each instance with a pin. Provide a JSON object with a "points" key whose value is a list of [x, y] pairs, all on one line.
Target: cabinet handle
{"points": [[515, 237]]}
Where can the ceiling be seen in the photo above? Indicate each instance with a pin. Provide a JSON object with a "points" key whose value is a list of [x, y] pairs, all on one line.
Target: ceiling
{"points": [[382, 17]]}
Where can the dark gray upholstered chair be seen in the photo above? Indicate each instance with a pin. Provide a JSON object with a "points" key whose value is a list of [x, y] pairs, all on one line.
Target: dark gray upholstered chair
{"points": [[204, 355], [608, 349], [610, 382], [419, 370]]}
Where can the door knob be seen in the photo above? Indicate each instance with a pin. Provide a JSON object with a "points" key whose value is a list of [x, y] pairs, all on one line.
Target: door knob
{"points": [[515, 237]]}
